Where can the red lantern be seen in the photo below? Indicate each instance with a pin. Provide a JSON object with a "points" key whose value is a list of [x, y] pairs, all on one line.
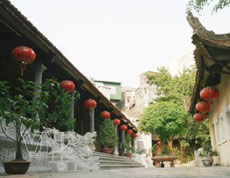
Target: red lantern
{"points": [[67, 85], [130, 131], [203, 106], [123, 127], [134, 135], [105, 115], [116, 122], [90, 103], [209, 93], [198, 117], [24, 55]]}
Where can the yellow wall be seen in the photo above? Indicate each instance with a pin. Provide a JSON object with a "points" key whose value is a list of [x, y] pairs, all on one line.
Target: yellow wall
{"points": [[218, 110]]}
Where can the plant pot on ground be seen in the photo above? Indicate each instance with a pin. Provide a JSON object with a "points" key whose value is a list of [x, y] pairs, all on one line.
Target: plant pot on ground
{"points": [[24, 105], [207, 154], [106, 135]]}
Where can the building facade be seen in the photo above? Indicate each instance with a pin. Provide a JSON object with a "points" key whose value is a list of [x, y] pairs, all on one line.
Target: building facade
{"points": [[212, 57]]}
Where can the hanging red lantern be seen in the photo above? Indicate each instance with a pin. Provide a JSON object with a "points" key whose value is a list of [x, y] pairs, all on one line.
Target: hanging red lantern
{"points": [[130, 131], [116, 122], [67, 85], [198, 117], [105, 115], [134, 135], [24, 55], [90, 103], [203, 106], [208, 93], [123, 127]]}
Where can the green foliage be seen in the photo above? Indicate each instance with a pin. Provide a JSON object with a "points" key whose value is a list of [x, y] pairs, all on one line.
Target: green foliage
{"points": [[51, 106], [207, 150], [128, 144], [174, 89], [59, 106], [34, 105], [106, 135], [199, 5], [163, 118], [168, 116], [17, 104]]}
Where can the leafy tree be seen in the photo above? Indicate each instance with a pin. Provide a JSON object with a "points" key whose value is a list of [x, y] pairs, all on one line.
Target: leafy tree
{"points": [[165, 119], [198, 5], [175, 89], [168, 116]]}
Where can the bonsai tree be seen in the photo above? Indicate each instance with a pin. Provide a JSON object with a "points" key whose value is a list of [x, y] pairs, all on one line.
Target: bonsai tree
{"points": [[106, 135], [28, 110]]}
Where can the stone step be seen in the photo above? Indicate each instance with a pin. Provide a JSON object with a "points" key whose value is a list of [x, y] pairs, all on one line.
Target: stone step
{"points": [[106, 167], [109, 161], [117, 162]]}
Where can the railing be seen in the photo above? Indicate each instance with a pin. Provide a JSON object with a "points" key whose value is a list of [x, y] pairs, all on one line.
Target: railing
{"points": [[52, 148]]}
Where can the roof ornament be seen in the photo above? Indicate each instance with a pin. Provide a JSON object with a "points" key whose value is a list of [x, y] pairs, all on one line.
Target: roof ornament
{"points": [[196, 25]]}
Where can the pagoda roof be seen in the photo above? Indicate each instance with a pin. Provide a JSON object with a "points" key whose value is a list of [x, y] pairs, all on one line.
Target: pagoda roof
{"points": [[212, 57]]}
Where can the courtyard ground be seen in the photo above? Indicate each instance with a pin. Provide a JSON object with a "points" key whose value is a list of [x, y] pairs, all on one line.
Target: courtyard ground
{"points": [[179, 172]]}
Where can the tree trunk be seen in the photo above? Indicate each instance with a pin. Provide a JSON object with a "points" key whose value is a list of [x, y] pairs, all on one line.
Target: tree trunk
{"points": [[19, 141], [181, 152], [170, 146], [19, 151]]}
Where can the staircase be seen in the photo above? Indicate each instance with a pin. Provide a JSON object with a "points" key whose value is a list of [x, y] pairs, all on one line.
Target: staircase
{"points": [[109, 161]]}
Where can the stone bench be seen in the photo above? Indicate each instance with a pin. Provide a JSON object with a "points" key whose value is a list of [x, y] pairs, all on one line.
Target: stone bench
{"points": [[158, 161]]}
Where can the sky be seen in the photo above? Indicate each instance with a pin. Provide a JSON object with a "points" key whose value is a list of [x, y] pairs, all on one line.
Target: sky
{"points": [[117, 40]]}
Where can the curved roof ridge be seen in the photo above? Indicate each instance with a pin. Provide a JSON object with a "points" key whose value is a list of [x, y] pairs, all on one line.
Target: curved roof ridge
{"points": [[221, 40]]}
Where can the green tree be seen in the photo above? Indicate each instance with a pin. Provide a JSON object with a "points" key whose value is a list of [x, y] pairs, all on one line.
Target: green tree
{"points": [[169, 110], [199, 5], [164, 118]]}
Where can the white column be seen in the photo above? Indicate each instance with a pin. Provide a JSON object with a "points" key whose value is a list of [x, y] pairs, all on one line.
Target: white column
{"points": [[115, 152]]}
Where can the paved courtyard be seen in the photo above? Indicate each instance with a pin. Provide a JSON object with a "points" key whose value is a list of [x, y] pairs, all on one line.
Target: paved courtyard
{"points": [[180, 172]]}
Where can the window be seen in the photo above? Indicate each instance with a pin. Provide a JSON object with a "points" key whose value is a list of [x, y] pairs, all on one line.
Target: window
{"points": [[227, 118]]}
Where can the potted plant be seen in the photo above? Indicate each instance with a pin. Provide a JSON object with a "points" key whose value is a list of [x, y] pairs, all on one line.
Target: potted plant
{"points": [[207, 154], [27, 111], [107, 137], [129, 149]]}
